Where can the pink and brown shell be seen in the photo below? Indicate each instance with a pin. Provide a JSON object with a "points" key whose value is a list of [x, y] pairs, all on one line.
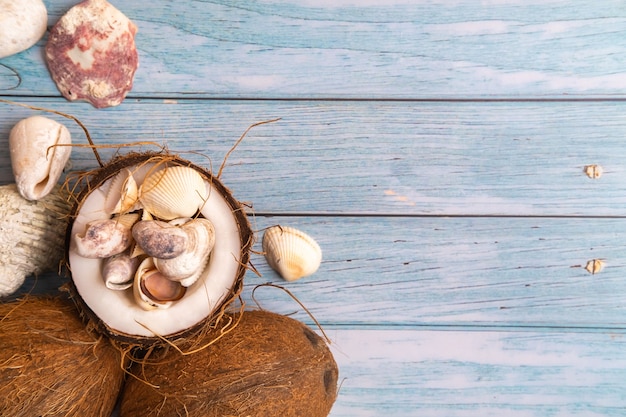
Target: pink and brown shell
{"points": [[91, 54]]}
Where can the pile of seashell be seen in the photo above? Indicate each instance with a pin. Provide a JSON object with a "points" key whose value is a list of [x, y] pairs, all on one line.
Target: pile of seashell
{"points": [[154, 240]]}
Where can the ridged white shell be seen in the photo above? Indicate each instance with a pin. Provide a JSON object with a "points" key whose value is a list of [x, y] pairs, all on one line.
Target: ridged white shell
{"points": [[141, 293], [123, 193], [291, 252], [172, 192]]}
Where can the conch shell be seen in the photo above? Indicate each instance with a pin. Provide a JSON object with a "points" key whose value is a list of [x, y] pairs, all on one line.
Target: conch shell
{"points": [[152, 290], [291, 252], [119, 270], [36, 160], [173, 192], [188, 266], [106, 237]]}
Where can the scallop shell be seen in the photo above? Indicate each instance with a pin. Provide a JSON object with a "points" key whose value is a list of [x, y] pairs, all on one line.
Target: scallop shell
{"points": [[91, 53], [123, 193], [187, 267], [152, 290], [173, 192], [106, 237], [37, 163], [291, 252]]}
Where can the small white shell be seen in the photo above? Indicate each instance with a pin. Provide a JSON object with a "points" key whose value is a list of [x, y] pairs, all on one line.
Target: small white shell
{"points": [[106, 237], [291, 252], [119, 270], [22, 24], [123, 193], [188, 266], [173, 192], [37, 163], [152, 290]]}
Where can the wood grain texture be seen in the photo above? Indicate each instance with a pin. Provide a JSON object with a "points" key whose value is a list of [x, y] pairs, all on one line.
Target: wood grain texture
{"points": [[476, 272], [435, 149], [468, 374], [375, 49], [379, 158]]}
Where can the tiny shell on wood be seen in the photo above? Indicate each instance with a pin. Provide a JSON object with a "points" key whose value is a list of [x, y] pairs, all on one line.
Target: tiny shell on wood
{"points": [[291, 252]]}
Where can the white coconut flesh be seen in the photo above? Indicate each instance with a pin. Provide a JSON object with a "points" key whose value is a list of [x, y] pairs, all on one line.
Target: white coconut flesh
{"points": [[118, 309]]}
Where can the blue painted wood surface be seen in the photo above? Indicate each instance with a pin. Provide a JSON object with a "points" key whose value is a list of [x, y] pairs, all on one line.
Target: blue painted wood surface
{"points": [[436, 150]]}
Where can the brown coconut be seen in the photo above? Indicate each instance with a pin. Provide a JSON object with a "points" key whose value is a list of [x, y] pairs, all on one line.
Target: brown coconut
{"points": [[91, 182], [268, 365], [51, 366]]}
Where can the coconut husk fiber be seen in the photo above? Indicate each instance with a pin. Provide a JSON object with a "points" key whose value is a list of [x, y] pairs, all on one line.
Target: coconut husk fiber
{"points": [[269, 365], [51, 366]]}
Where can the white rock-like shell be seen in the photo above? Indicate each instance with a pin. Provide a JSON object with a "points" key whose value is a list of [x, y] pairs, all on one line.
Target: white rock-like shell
{"points": [[37, 163], [143, 280], [291, 252], [188, 266], [106, 237], [22, 24], [160, 239], [31, 236], [173, 192]]}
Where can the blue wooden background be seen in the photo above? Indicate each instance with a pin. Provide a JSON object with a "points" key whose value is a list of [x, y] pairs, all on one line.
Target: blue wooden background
{"points": [[436, 150]]}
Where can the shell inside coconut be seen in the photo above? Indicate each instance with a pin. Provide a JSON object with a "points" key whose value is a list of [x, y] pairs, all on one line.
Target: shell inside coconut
{"points": [[120, 313]]}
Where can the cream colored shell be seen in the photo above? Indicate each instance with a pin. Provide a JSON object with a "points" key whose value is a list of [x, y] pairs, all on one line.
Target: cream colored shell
{"points": [[170, 291], [22, 24], [37, 163], [173, 192], [291, 252]]}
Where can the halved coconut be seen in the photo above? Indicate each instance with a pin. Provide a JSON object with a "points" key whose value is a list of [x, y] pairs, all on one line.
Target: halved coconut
{"points": [[116, 313]]}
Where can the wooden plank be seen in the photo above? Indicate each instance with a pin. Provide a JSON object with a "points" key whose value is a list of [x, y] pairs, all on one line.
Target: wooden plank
{"points": [[476, 272], [455, 271], [374, 49], [465, 373], [379, 158]]}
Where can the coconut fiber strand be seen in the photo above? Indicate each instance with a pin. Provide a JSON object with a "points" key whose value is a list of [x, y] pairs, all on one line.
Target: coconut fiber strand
{"points": [[269, 365], [51, 366]]}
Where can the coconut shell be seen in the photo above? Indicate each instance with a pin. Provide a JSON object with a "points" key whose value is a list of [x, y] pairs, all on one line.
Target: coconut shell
{"points": [[96, 178], [269, 365], [51, 366]]}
